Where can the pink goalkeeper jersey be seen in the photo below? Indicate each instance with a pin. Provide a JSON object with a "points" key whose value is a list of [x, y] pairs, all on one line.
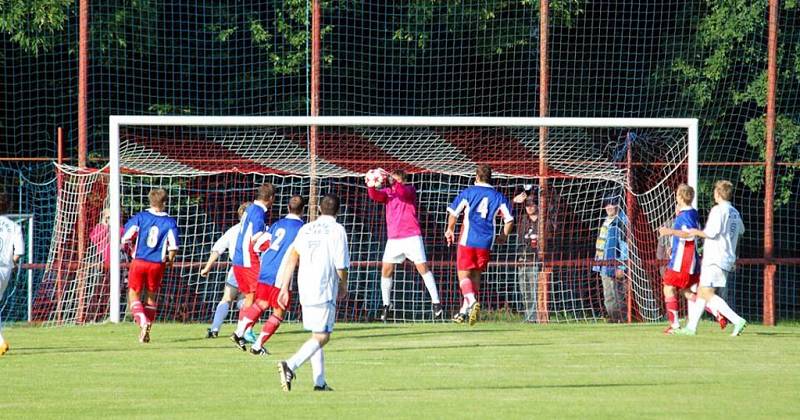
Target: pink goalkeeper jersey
{"points": [[401, 209]]}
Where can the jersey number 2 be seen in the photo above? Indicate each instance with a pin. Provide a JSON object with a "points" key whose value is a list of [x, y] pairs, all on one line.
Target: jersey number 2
{"points": [[277, 238]]}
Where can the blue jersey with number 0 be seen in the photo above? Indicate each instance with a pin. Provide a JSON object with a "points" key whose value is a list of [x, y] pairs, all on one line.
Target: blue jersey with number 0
{"points": [[252, 223], [155, 232], [480, 204], [282, 235]]}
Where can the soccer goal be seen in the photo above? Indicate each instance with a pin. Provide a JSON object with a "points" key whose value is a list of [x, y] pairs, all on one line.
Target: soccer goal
{"points": [[209, 165]]}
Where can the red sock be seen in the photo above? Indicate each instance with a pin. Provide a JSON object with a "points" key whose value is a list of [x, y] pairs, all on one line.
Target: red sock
{"points": [[139, 315], [150, 312], [253, 312], [270, 327], [672, 309]]}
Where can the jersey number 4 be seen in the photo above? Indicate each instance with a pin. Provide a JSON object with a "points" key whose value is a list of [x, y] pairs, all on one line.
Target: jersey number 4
{"points": [[483, 207]]}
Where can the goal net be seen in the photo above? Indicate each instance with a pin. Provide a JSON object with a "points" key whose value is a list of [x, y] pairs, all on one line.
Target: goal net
{"points": [[209, 166]]}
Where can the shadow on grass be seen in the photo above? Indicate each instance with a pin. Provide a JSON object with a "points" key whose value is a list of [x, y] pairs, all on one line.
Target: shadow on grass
{"points": [[541, 386], [454, 346], [413, 333]]}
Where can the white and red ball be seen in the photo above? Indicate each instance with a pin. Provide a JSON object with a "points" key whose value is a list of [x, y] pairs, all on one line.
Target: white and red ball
{"points": [[375, 178]]}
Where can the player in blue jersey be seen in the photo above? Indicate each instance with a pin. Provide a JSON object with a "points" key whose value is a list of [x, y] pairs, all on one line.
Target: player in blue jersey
{"points": [[156, 243], [480, 203], [683, 270], [245, 258], [273, 247]]}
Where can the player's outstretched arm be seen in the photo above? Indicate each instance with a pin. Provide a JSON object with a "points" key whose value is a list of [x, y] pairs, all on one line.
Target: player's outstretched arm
{"points": [[450, 234], [211, 260], [285, 278], [342, 283]]}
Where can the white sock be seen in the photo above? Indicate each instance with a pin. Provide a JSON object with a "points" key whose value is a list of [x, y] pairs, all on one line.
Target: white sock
{"points": [[318, 367], [717, 304], [241, 327], [430, 283], [2, 340], [695, 313], [386, 290], [464, 306], [304, 353], [469, 298], [259, 340]]}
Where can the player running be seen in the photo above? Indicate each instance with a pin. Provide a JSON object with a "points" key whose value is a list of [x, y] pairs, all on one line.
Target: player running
{"points": [[245, 258], [151, 255], [721, 234], [405, 238], [320, 250], [480, 204], [273, 246], [227, 242], [11, 249]]}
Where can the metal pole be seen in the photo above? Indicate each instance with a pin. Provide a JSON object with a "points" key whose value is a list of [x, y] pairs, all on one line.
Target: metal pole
{"points": [[316, 47], [769, 170], [83, 78], [544, 78]]}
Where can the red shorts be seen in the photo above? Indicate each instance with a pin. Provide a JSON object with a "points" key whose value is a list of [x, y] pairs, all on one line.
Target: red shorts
{"points": [[269, 293], [246, 278], [145, 273], [469, 258], [680, 280]]}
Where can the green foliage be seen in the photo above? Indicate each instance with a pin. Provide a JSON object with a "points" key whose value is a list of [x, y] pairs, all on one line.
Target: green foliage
{"points": [[34, 25], [725, 72]]}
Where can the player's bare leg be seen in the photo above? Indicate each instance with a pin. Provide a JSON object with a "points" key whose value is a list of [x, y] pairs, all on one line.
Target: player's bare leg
{"points": [[430, 284], [387, 271]]}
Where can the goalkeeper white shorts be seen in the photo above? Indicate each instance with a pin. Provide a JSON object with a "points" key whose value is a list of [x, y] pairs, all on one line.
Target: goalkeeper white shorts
{"points": [[397, 250], [713, 276], [319, 318]]}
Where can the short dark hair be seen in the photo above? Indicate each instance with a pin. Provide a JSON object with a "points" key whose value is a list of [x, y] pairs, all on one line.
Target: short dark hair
{"points": [[484, 173], [266, 192], [297, 204], [3, 203], [401, 173], [329, 205]]}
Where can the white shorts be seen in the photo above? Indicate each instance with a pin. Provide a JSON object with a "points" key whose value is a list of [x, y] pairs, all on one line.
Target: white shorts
{"points": [[713, 276], [397, 250], [231, 279], [319, 318], [5, 278]]}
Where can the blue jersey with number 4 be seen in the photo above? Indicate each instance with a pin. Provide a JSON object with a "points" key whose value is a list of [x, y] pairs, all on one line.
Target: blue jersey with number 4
{"points": [[480, 204], [282, 235], [155, 233]]}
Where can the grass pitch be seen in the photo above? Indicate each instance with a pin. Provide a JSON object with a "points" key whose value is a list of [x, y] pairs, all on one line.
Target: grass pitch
{"points": [[492, 370]]}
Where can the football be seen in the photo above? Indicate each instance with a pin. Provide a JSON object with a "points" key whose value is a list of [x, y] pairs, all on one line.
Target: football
{"points": [[375, 178]]}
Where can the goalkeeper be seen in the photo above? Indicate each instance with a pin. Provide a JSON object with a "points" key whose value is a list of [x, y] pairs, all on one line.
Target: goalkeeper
{"points": [[405, 237]]}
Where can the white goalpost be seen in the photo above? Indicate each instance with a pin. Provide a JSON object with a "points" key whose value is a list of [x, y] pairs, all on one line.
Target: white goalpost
{"points": [[210, 164]]}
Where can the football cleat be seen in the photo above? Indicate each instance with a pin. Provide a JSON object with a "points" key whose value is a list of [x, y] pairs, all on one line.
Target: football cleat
{"points": [[474, 313], [144, 333], [684, 331], [324, 387], [286, 376], [212, 333], [738, 328], [459, 318], [4, 348], [723, 322], [385, 313], [249, 336], [259, 352], [437, 310], [239, 341], [670, 330]]}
